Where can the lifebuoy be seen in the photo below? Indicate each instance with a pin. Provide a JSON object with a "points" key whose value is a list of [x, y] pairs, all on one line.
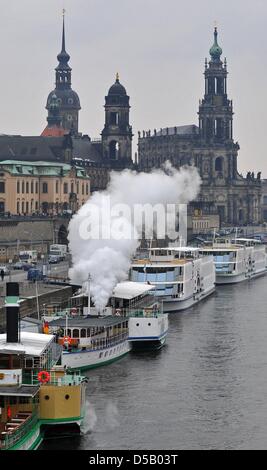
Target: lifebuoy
{"points": [[67, 339], [73, 311], [43, 376]]}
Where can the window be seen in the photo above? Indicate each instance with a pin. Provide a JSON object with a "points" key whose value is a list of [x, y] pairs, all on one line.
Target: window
{"points": [[2, 186], [23, 187], [27, 187], [114, 119], [18, 207], [83, 333], [57, 187], [83, 191], [36, 206], [77, 184], [32, 187], [22, 207], [219, 164], [18, 187], [87, 191], [36, 188], [27, 207], [45, 188], [65, 188], [76, 333], [72, 188], [114, 150]]}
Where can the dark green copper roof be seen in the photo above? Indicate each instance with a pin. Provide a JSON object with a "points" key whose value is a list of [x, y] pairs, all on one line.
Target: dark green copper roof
{"points": [[215, 50]]}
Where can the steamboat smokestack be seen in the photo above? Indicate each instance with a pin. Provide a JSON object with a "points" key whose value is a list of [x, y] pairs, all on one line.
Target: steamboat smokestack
{"points": [[12, 312]]}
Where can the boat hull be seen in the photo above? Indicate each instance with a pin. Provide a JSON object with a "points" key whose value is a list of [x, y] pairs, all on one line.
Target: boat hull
{"points": [[175, 305], [90, 359], [236, 278], [150, 344]]}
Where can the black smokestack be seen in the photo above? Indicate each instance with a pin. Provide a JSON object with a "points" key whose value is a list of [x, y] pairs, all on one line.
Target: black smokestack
{"points": [[12, 312]]}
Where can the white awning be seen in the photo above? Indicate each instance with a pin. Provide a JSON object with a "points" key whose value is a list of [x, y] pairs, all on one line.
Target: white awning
{"points": [[129, 290], [31, 344]]}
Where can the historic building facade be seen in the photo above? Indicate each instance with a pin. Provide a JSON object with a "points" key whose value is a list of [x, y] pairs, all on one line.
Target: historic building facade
{"points": [[28, 188], [212, 149], [210, 146]]}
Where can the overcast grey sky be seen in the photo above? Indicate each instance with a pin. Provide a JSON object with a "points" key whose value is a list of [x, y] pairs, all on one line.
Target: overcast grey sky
{"points": [[158, 47]]}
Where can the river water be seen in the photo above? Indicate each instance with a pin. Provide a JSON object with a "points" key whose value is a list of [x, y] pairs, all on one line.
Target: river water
{"points": [[206, 389]]}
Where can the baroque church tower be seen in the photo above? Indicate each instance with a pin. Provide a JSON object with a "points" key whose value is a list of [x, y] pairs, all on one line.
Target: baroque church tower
{"points": [[68, 100], [117, 134], [216, 118]]}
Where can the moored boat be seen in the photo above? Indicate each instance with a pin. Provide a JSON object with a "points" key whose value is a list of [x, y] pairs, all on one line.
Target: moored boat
{"points": [[236, 260], [181, 276], [91, 338], [35, 394]]}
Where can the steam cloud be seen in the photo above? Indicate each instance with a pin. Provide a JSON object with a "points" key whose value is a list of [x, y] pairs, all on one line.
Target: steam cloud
{"points": [[108, 260]]}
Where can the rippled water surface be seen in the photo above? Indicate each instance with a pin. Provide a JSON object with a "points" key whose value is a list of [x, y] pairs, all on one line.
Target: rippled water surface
{"points": [[206, 389]]}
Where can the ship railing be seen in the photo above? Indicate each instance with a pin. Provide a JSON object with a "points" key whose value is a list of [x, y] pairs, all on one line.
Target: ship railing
{"points": [[58, 379], [10, 437], [138, 312]]}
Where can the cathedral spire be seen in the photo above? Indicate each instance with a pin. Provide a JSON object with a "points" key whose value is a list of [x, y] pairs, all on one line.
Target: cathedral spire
{"points": [[63, 57]]}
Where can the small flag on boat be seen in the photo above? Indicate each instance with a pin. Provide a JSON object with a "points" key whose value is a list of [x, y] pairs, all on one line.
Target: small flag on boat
{"points": [[46, 328]]}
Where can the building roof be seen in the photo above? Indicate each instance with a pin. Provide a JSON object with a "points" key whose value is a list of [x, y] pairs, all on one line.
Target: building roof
{"points": [[191, 129], [19, 168], [19, 391], [87, 322], [54, 131], [86, 150], [32, 148], [117, 88], [31, 344], [128, 290]]}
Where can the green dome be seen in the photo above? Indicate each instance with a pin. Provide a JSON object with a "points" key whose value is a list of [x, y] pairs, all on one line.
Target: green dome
{"points": [[215, 50]]}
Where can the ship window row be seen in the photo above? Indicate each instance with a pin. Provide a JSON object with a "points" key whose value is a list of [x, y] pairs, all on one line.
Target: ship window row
{"points": [[89, 332], [156, 275]]}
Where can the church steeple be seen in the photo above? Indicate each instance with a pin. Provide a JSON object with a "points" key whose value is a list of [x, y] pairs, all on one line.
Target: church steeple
{"points": [[67, 98], [215, 110], [63, 70]]}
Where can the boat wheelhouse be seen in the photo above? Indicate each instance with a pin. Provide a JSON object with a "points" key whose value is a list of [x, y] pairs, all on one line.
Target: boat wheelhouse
{"points": [[236, 260], [181, 276]]}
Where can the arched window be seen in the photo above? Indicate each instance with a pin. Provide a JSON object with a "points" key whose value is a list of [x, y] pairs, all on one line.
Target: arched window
{"points": [[83, 333], [76, 333], [219, 164]]}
